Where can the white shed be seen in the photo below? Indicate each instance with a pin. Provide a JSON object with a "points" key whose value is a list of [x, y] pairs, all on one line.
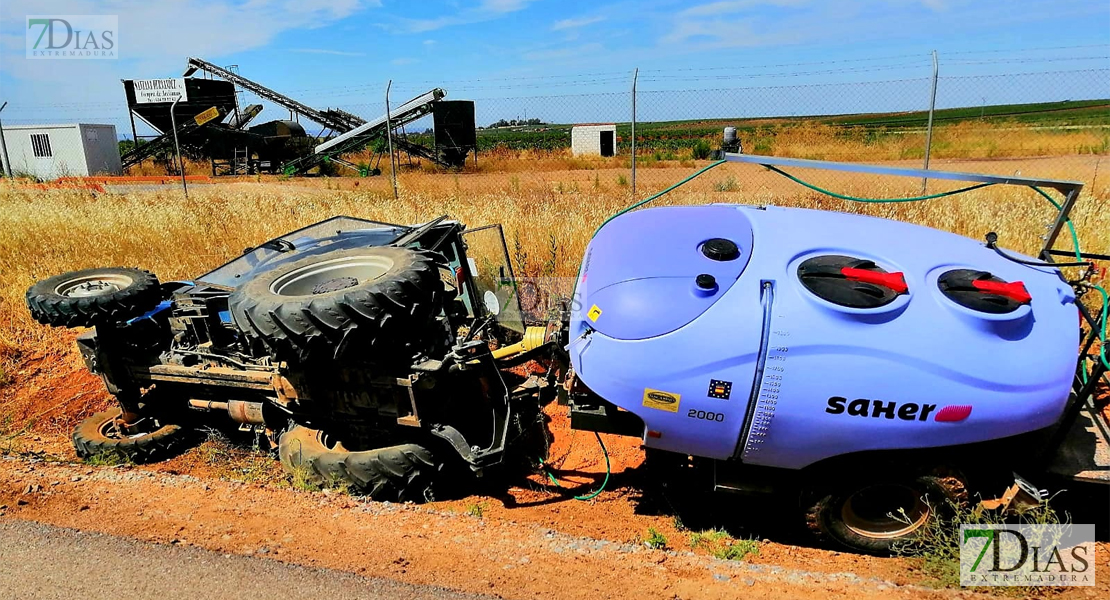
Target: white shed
{"points": [[71, 150], [593, 138]]}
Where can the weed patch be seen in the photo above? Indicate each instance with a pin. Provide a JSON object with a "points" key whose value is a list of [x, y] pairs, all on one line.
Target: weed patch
{"points": [[655, 539]]}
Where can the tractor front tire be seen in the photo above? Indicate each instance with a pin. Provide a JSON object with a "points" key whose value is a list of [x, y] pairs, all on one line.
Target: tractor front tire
{"points": [[873, 515], [403, 473], [93, 297], [99, 438]]}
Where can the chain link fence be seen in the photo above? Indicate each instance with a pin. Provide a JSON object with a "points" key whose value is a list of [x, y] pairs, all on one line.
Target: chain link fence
{"points": [[1052, 123]]}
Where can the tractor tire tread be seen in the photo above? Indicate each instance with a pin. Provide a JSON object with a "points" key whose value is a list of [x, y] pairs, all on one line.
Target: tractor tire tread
{"points": [[89, 442], [379, 316], [49, 308], [399, 473]]}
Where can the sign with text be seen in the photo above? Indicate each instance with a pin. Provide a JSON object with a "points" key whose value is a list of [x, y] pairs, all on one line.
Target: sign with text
{"points": [[151, 91], [207, 116]]}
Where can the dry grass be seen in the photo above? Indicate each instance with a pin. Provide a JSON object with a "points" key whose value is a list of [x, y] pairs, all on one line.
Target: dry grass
{"points": [[549, 217]]}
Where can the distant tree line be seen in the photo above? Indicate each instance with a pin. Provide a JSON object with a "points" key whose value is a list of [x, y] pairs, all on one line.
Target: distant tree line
{"points": [[517, 123]]}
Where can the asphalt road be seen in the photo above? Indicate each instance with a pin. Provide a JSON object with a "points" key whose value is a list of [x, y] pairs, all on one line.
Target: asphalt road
{"points": [[42, 562]]}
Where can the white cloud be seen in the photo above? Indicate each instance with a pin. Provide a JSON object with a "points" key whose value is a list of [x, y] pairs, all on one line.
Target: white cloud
{"points": [[725, 7], [575, 23], [403, 61], [565, 52], [727, 34], [747, 23], [503, 6], [487, 10], [326, 51], [429, 42]]}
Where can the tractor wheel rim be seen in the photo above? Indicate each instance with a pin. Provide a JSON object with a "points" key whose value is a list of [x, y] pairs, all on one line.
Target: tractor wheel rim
{"points": [[885, 511], [330, 442], [304, 280], [93, 285], [110, 429]]}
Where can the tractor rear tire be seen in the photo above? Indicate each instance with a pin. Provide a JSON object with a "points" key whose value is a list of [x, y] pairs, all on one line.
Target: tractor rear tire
{"points": [[373, 302], [403, 473], [855, 513], [93, 297], [97, 437]]}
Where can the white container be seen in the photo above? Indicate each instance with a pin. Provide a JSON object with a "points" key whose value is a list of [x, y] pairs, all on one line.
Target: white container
{"points": [[69, 150]]}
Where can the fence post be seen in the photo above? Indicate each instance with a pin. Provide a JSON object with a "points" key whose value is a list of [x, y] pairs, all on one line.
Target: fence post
{"points": [[635, 76], [929, 128], [177, 147], [389, 139], [4, 149]]}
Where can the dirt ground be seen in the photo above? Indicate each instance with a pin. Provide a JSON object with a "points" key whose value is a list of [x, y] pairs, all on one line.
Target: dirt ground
{"points": [[520, 539], [490, 553]]}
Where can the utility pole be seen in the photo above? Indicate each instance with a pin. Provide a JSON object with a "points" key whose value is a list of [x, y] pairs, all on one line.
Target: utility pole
{"points": [[4, 149], [929, 129], [180, 161], [389, 139]]}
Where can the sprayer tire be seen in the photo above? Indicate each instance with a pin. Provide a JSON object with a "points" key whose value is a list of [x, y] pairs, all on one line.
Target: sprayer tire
{"points": [[829, 515]]}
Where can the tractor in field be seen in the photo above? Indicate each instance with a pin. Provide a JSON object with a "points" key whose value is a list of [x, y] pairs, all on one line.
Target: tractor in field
{"points": [[876, 371]]}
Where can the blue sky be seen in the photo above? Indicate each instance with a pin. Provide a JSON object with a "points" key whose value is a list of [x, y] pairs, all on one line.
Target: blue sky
{"points": [[341, 52]]}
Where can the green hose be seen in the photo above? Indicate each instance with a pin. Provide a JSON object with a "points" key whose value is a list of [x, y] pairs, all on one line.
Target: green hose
{"points": [[654, 196], [874, 200], [604, 482]]}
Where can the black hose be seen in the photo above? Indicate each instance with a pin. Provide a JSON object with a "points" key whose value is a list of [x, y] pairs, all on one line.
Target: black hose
{"points": [[992, 243]]}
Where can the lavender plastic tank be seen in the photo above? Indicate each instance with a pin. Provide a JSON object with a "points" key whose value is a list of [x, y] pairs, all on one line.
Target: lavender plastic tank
{"points": [[735, 331]]}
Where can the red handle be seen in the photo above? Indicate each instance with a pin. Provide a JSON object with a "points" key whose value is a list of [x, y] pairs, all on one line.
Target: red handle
{"points": [[1014, 291], [894, 281]]}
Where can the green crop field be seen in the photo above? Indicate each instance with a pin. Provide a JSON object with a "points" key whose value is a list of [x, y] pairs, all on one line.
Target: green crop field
{"points": [[677, 135]]}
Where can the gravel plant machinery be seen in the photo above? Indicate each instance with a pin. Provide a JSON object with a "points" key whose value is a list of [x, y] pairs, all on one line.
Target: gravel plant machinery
{"points": [[872, 369]]}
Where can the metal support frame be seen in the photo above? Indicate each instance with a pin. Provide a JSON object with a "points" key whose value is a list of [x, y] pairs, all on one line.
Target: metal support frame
{"points": [[1070, 189]]}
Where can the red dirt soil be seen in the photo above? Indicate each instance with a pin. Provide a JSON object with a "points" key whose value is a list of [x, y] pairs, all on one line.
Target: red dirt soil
{"points": [[436, 544]]}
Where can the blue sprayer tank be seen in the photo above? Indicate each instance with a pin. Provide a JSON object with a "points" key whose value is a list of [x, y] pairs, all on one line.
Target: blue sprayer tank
{"points": [[784, 336]]}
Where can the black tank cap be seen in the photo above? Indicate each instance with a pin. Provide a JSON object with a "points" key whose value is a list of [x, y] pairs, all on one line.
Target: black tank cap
{"points": [[720, 249], [706, 281]]}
